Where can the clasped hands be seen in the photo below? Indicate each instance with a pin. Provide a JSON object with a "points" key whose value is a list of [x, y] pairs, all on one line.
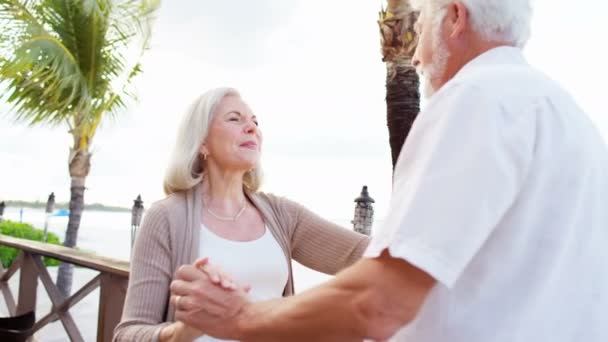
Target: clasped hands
{"points": [[206, 301]]}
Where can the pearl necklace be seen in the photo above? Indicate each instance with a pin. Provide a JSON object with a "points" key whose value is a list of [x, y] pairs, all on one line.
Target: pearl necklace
{"points": [[225, 218]]}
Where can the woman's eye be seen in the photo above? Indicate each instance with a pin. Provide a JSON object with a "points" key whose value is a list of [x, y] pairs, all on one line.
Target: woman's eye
{"points": [[233, 119]]}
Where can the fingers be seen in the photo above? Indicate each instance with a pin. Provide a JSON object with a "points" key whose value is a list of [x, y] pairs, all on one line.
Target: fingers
{"points": [[217, 276], [201, 262], [190, 295], [196, 272], [186, 272], [187, 304], [189, 273], [176, 301], [182, 287], [213, 272], [182, 303], [201, 267]]}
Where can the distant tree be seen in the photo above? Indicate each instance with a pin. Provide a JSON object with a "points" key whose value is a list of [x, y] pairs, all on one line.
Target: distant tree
{"points": [[399, 40], [64, 62]]}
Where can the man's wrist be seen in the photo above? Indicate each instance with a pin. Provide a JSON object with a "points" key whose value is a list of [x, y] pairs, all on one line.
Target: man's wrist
{"points": [[244, 323]]}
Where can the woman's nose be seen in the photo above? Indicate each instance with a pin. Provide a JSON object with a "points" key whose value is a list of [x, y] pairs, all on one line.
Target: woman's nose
{"points": [[251, 127]]}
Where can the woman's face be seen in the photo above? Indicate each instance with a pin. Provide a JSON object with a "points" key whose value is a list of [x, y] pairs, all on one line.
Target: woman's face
{"points": [[234, 140]]}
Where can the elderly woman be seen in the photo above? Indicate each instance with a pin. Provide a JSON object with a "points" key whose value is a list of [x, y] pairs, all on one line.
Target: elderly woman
{"points": [[213, 209]]}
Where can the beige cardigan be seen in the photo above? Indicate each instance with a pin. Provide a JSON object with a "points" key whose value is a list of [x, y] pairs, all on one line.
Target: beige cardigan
{"points": [[169, 238]]}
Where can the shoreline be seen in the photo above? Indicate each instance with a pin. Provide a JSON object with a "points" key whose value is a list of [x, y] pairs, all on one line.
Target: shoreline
{"points": [[63, 206]]}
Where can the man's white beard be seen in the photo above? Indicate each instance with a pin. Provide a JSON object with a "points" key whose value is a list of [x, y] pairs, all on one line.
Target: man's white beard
{"points": [[435, 69], [427, 87]]}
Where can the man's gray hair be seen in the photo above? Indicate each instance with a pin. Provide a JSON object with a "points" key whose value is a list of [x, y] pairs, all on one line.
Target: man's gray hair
{"points": [[495, 20]]}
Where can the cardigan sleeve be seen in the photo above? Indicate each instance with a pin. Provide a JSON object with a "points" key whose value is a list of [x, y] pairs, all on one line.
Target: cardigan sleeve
{"points": [[322, 245], [148, 291]]}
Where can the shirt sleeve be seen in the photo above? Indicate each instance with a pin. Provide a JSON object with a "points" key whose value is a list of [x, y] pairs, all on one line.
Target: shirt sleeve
{"points": [[461, 169]]}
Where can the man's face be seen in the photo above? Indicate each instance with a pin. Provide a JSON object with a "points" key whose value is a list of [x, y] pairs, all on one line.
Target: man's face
{"points": [[431, 56]]}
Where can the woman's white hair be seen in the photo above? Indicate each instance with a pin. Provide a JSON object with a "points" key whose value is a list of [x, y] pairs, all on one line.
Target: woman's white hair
{"points": [[495, 20], [186, 167]]}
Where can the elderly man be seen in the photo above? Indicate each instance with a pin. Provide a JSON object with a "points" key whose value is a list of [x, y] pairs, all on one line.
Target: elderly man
{"points": [[497, 228]]}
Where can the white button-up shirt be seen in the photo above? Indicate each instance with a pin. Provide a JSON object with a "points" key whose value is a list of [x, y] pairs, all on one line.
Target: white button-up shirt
{"points": [[501, 194]]}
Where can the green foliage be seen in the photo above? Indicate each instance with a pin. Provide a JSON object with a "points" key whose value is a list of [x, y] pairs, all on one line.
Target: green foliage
{"points": [[24, 231]]}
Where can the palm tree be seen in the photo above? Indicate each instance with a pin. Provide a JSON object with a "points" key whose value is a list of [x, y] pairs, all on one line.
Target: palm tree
{"points": [[64, 62], [398, 40]]}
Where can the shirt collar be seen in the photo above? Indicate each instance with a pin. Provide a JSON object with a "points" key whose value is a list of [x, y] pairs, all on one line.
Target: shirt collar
{"points": [[499, 55]]}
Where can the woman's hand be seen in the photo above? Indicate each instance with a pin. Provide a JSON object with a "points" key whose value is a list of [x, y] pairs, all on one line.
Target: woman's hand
{"points": [[206, 298], [179, 332]]}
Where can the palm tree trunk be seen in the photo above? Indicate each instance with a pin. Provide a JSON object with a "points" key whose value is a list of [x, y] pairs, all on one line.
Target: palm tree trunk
{"points": [[402, 102], [80, 163], [398, 40]]}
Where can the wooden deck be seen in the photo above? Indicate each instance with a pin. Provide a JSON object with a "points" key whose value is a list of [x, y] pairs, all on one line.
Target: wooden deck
{"points": [[112, 281]]}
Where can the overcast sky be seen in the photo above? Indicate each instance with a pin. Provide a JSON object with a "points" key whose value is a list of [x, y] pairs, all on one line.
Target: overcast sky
{"points": [[312, 72]]}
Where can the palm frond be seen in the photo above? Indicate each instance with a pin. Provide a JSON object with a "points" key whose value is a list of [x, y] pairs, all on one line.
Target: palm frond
{"points": [[18, 22], [45, 84], [69, 60], [129, 34], [128, 31]]}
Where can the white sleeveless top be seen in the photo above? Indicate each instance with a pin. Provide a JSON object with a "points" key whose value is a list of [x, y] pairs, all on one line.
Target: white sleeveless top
{"points": [[260, 263]]}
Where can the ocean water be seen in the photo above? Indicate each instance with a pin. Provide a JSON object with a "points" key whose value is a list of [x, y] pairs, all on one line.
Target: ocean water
{"points": [[108, 234]]}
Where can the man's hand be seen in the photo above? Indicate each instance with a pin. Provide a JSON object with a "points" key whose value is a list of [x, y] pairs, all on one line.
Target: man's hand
{"points": [[207, 299]]}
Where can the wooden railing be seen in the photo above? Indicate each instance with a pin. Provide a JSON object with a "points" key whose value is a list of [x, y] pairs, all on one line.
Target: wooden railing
{"points": [[112, 281]]}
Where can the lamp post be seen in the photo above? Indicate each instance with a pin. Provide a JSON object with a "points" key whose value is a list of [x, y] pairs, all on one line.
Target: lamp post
{"points": [[136, 214], [50, 204], [2, 206], [364, 213]]}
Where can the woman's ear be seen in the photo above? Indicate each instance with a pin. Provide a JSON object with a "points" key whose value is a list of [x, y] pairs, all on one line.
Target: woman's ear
{"points": [[204, 152]]}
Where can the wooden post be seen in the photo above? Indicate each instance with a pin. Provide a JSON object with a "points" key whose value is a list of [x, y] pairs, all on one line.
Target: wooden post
{"points": [[112, 292], [364, 213], [5, 276], [28, 283], [136, 214], [50, 204]]}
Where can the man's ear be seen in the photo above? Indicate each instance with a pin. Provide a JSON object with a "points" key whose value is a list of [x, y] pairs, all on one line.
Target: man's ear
{"points": [[458, 18]]}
